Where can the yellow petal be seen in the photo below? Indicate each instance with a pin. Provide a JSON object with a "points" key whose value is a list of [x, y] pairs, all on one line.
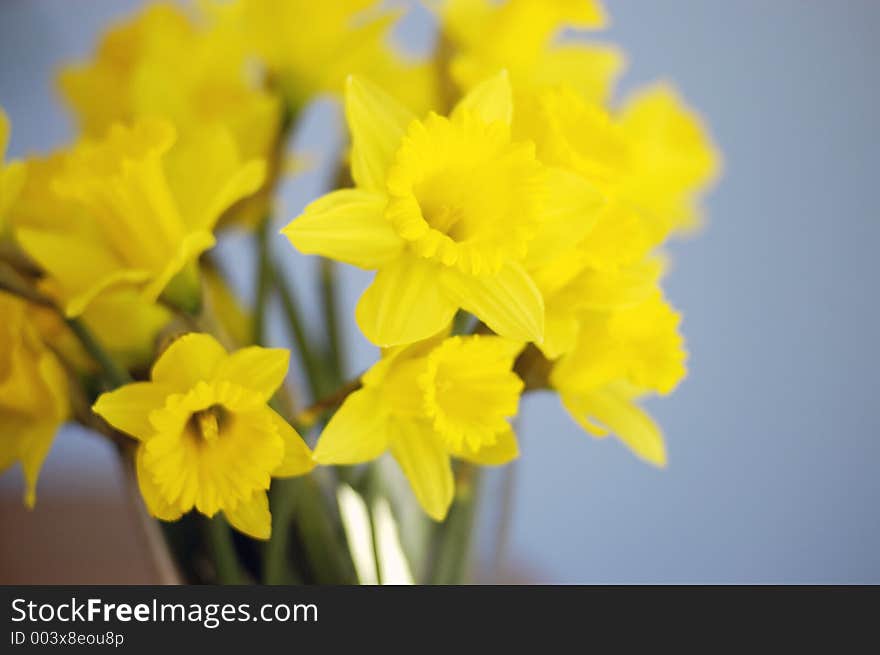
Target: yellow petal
{"points": [[192, 358], [35, 440], [623, 417], [156, 504], [509, 302], [377, 123], [560, 332], [406, 302], [504, 450], [569, 213], [358, 431], [260, 369], [297, 456], [222, 177], [591, 69], [491, 100], [425, 463], [348, 225], [81, 265], [252, 516], [128, 408]]}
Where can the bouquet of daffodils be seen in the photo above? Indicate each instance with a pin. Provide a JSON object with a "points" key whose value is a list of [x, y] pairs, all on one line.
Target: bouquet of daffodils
{"points": [[512, 215]]}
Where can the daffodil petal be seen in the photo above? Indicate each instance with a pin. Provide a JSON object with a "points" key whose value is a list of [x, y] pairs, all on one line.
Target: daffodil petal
{"points": [[405, 303], [623, 417], [297, 456], [425, 463], [560, 333], [252, 516], [223, 178], [358, 431], [377, 123], [259, 369], [82, 266], [156, 504], [504, 450], [570, 211], [128, 408], [192, 358], [348, 225], [491, 100], [509, 302], [35, 440]]}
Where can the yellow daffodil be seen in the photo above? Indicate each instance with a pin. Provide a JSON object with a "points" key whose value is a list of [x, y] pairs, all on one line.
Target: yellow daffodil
{"points": [[33, 393], [207, 438], [650, 163], [161, 64], [311, 47], [448, 210], [653, 160], [12, 176], [425, 403], [136, 215], [124, 322], [618, 357], [521, 36]]}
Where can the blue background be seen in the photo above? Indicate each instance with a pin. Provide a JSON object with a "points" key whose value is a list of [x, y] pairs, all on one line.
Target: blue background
{"points": [[774, 438]]}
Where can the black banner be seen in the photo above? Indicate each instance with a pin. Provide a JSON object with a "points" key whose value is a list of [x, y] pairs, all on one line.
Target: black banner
{"points": [[135, 619]]}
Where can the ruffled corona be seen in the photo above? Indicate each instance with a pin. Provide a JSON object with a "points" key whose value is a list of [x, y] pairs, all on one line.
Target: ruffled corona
{"points": [[425, 403], [207, 438]]}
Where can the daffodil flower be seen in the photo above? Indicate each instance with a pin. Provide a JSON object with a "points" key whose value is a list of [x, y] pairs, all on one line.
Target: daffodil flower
{"points": [[345, 36], [448, 210], [522, 36], [137, 214], [619, 357], [161, 64], [427, 402], [207, 438], [33, 393]]}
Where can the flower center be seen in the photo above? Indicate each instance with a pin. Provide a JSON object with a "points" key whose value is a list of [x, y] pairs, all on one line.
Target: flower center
{"points": [[207, 423], [462, 194]]}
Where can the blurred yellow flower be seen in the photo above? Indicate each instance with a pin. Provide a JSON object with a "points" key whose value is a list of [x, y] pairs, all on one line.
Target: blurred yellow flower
{"points": [[651, 163], [521, 36], [618, 357], [653, 160], [125, 323], [134, 214], [311, 47], [12, 176], [447, 210], [426, 402], [162, 64], [33, 393], [207, 437]]}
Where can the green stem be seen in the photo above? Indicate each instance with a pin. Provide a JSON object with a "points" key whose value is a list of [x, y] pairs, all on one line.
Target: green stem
{"points": [[223, 551], [452, 552], [370, 496], [116, 375], [264, 281], [330, 308], [290, 307], [276, 568], [324, 544]]}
